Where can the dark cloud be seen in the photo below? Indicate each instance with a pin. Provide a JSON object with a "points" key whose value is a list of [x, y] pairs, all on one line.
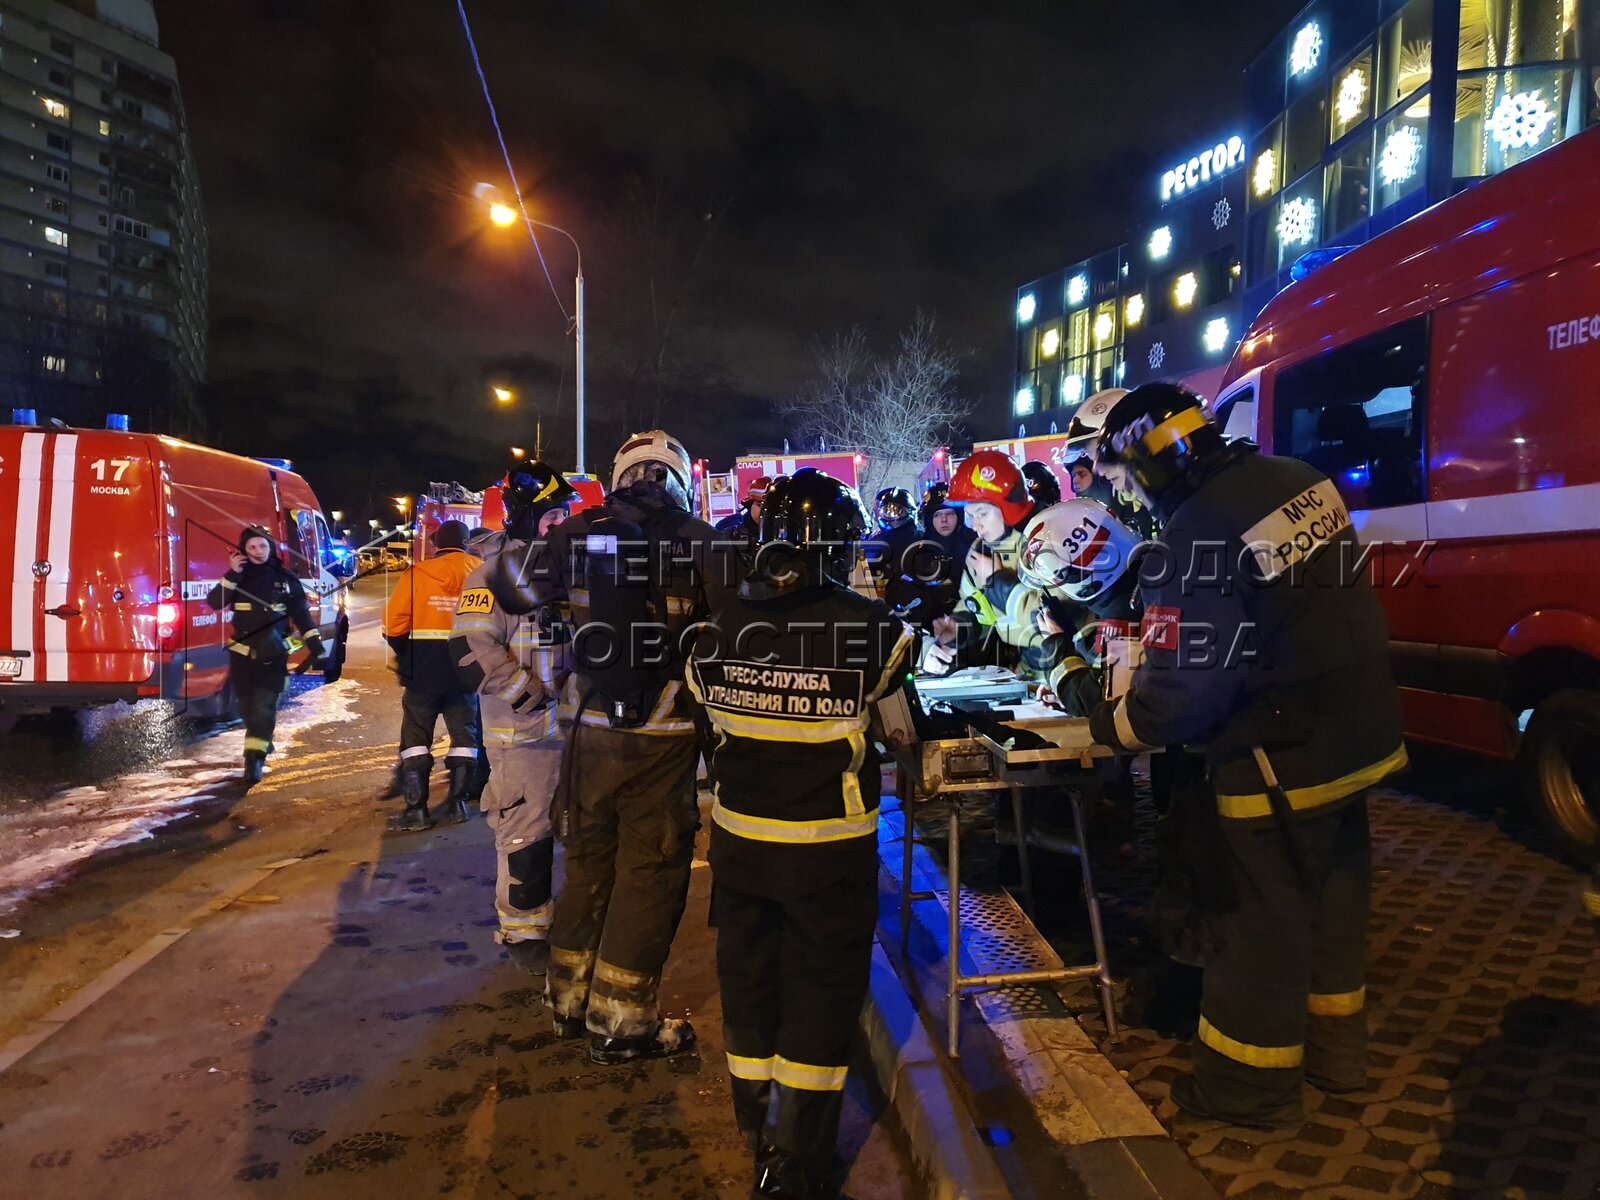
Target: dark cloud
{"points": [[861, 161]]}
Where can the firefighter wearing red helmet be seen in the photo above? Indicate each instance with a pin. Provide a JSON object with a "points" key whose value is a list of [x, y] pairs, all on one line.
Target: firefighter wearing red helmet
{"points": [[992, 490], [1263, 641]]}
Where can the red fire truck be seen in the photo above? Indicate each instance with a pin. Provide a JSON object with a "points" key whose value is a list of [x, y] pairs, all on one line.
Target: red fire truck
{"points": [[1446, 375], [109, 543]]}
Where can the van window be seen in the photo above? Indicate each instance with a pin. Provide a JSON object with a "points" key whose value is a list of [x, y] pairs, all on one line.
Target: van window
{"points": [[1356, 413], [307, 553], [1236, 414]]}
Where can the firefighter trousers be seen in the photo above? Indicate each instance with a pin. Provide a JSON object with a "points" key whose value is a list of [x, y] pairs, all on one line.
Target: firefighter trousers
{"points": [[628, 802], [258, 685], [420, 712], [1284, 998], [517, 802], [793, 975]]}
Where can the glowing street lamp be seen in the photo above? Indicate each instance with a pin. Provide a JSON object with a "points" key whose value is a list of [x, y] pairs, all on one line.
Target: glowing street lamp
{"points": [[518, 452], [403, 503], [504, 395], [503, 215]]}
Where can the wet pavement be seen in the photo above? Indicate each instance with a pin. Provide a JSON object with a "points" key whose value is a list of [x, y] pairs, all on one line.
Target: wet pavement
{"points": [[278, 1000], [1483, 1000]]}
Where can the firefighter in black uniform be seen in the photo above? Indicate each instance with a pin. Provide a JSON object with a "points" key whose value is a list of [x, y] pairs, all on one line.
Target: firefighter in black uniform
{"points": [[1264, 641], [265, 599], [788, 674]]}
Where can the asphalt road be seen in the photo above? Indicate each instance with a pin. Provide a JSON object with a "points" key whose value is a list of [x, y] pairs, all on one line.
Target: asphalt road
{"points": [[269, 997]]}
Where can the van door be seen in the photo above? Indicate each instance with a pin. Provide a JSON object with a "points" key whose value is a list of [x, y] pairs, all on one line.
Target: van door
{"points": [[21, 478], [1235, 409]]}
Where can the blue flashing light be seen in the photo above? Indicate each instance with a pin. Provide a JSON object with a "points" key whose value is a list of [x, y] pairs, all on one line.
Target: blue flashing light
{"points": [[1358, 476], [283, 464], [24, 416], [1313, 260], [117, 422]]}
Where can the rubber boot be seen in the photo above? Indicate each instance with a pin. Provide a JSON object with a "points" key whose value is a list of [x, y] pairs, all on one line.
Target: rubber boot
{"points": [[455, 804], [783, 1175], [255, 765], [415, 789], [672, 1036]]}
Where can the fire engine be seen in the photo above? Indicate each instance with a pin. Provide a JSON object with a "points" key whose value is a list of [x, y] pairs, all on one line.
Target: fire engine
{"points": [[109, 543], [1446, 376]]}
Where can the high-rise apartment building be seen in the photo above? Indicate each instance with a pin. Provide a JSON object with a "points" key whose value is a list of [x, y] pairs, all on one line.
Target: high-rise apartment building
{"points": [[103, 268]]}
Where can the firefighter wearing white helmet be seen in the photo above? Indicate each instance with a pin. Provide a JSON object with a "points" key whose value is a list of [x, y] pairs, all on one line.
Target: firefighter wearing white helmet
{"points": [[626, 797], [1079, 552], [1082, 435]]}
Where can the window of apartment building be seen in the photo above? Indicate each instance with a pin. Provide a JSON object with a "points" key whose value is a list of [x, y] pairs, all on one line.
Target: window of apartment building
{"points": [[56, 364], [60, 78], [61, 46], [105, 190], [105, 161], [56, 237], [99, 311], [125, 196], [128, 225], [104, 251], [55, 270], [53, 302], [55, 108], [133, 107], [105, 97], [105, 127], [101, 219], [56, 173], [102, 281], [58, 141], [56, 205], [107, 67]]}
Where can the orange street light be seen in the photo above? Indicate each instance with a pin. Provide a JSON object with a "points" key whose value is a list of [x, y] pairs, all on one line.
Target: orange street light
{"points": [[503, 394], [502, 214], [518, 452]]}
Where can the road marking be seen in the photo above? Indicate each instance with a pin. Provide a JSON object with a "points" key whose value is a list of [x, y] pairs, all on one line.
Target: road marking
{"points": [[43, 1028]]}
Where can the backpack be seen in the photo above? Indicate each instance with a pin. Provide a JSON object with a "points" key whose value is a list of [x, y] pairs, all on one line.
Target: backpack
{"points": [[624, 655]]}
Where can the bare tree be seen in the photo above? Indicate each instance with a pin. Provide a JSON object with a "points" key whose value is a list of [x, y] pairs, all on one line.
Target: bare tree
{"points": [[895, 409]]}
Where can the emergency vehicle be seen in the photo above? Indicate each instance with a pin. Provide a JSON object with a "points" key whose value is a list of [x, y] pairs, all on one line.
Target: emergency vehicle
{"points": [[109, 542], [1446, 376], [591, 494], [445, 502], [841, 464]]}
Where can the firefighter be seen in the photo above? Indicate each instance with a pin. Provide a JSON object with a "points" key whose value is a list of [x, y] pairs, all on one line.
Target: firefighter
{"points": [[895, 536], [518, 664], [1044, 489], [636, 572], [746, 523], [1264, 640], [416, 624], [793, 835], [942, 525], [265, 599]]}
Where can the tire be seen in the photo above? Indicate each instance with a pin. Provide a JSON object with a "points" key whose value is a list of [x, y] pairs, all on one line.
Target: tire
{"points": [[335, 667], [208, 710], [1560, 765]]}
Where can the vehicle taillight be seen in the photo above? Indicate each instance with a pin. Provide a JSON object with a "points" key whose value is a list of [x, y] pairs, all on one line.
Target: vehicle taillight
{"points": [[167, 614]]}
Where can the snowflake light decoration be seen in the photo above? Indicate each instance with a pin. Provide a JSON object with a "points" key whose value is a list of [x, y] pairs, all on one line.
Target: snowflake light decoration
{"points": [[1133, 309], [1520, 121], [1072, 389], [1215, 337], [1077, 289], [1297, 224], [1104, 327], [1026, 305], [1306, 52], [1402, 153], [1266, 173], [1352, 96], [1158, 355], [1185, 289], [1221, 214], [1161, 242]]}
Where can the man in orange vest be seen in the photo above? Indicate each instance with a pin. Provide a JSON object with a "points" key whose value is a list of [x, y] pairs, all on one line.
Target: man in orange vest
{"points": [[416, 624]]}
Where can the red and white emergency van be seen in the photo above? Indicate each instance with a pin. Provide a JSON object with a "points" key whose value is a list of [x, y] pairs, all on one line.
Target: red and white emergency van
{"points": [[109, 542], [1446, 376], [841, 464]]}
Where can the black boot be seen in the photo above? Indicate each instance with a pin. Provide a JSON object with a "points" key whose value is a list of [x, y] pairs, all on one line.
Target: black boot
{"points": [[455, 804], [255, 765], [784, 1175], [673, 1036], [397, 784], [415, 817]]}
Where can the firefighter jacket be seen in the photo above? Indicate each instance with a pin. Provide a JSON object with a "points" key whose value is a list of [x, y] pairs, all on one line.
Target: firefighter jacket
{"points": [[887, 550], [1261, 630], [788, 683], [1073, 663], [417, 620], [265, 600], [691, 568], [517, 663]]}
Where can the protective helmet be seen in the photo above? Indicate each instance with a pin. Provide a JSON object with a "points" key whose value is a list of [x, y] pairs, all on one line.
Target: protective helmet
{"points": [[1161, 433], [655, 447], [990, 477], [812, 511], [1042, 483], [531, 490], [935, 498], [1077, 548], [893, 508], [757, 489], [1091, 416]]}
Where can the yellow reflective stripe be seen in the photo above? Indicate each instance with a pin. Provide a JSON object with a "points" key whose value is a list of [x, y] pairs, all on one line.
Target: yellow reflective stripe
{"points": [[854, 805], [516, 687], [775, 729], [1130, 740], [1250, 1056], [679, 606], [1336, 1004], [1591, 901], [533, 923], [578, 596], [1175, 428], [239, 648], [896, 664], [255, 743], [1244, 807], [242, 606], [1070, 665], [764, 829], [604, 972], [758, 1069], [429, 635], [807, 1077]]}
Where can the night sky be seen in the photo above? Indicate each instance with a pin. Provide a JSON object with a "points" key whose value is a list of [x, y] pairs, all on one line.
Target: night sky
{"points": [[744, 178]]}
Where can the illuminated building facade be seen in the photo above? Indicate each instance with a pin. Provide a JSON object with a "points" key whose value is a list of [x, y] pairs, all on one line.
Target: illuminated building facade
{"points": [[1346, 136]]}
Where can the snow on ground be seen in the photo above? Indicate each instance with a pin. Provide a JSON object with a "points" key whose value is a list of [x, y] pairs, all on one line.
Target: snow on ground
{"points": [[41, 844]]}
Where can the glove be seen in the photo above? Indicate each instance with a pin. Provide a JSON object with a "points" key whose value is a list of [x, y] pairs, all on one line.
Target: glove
{"points": [[535, 699]]}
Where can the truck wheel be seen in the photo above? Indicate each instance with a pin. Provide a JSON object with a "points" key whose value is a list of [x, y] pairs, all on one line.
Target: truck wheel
{"points": [[1560, 763], [335, 667]]}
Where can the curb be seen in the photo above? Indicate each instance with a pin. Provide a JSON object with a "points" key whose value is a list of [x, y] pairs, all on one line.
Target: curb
{"points": [[951, 1161]]}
